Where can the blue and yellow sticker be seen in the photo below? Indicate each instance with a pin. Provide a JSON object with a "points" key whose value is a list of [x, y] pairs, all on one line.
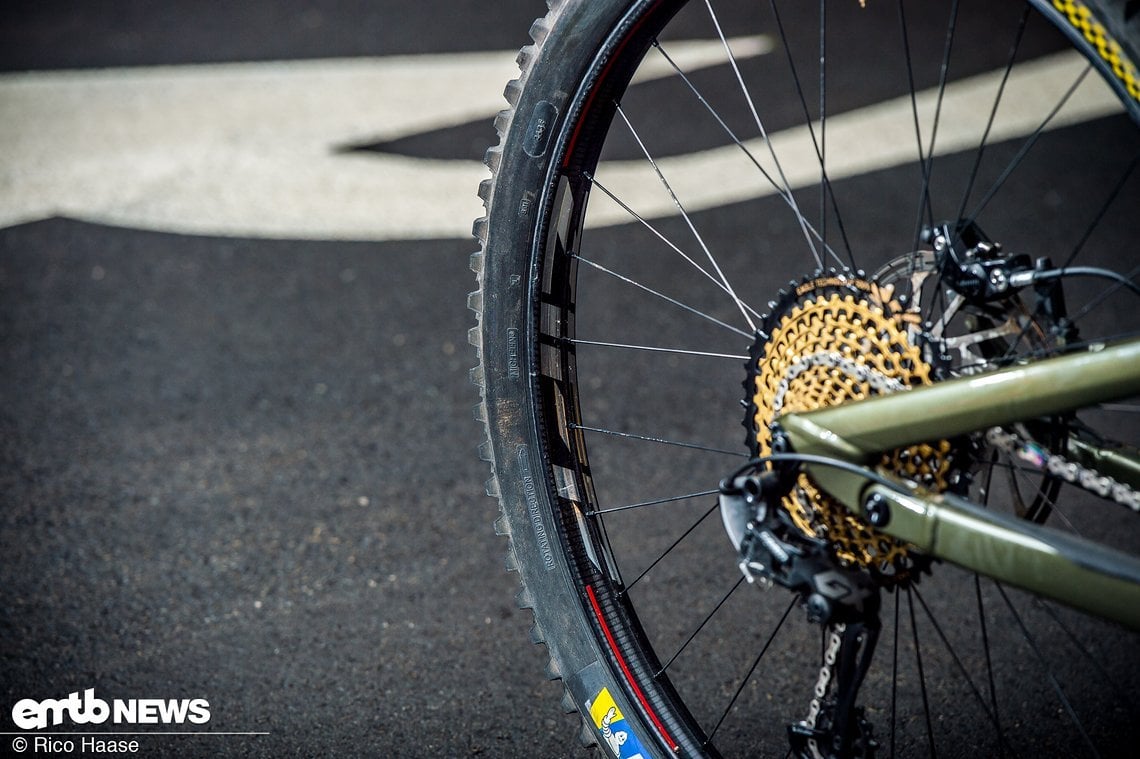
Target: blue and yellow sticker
{"points": [[614, 730]]}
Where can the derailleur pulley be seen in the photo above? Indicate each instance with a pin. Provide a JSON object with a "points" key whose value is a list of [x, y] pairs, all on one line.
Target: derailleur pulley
{"points": [[773, 550]]}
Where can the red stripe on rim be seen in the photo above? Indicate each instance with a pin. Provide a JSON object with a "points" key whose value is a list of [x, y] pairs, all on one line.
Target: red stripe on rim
{"points": [[625, 669], [598, 83]]}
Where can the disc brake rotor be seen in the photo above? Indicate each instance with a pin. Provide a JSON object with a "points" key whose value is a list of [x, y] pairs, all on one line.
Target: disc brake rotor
{"points": [[834, 339]]}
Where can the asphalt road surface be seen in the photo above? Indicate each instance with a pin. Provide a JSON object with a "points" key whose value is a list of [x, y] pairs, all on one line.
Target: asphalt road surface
{"points": [[236, 447], [243, 469]]}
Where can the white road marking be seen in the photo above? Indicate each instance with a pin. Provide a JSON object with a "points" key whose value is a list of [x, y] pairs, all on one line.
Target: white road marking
{"points": [[245, 149], [869, 139], [250, 150]]}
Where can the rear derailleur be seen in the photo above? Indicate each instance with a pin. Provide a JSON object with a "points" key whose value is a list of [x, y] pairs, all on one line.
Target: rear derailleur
{"points": [[844, 600]]}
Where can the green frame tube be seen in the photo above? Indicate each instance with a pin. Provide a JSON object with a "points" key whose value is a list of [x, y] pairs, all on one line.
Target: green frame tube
{"points": [[1072, 570]]}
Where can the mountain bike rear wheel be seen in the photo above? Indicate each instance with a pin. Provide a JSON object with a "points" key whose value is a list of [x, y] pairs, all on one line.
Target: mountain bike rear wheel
{"points": [[642, 230]]}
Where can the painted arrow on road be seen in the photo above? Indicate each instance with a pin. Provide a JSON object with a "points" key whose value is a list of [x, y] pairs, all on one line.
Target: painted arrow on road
{"points": [[255, 149]]}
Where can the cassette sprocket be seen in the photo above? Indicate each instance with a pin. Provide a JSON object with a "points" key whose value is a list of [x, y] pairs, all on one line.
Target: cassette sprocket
{"points": [[831, 339]]}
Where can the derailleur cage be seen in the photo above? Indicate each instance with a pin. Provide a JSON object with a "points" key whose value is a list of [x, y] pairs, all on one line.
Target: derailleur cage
{"points": [[844, 600], [773, 550], [836, 728]]}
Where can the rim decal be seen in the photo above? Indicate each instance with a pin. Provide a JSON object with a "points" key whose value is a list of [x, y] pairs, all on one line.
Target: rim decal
{"points": [[625, 670], [615, 731]]}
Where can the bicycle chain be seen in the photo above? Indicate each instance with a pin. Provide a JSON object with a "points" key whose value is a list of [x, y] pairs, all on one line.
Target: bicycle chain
{"points": [[879, 382], [1033, 454], [1029, 452], [830, 656], [1041, 459]]}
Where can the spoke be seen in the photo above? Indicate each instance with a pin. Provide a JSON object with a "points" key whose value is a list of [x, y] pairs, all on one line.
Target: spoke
{"points": [[989, 661], [664, 297], [895, 676], [1029, 476], [1102, 672], [662, 441], [593, 180], [1008, 327], [913, 99], [700, 627], [1054, 507], [1103, 210], [685, 215], [656, 349], [1023, 333], [958, 662], [993, 112], [752, 669], [763, 133], [1047, 351], [1110, 290], [612, 557], [784, 195], [921, 673], [822, 118], [672, 546], [655, 502], [938, 302], [985, 499], [1053, 681], [1027, 146], [924, 203], [815, 143]]}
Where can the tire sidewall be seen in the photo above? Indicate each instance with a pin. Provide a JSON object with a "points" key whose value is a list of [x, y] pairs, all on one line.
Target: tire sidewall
{"points": [[518, 212]]}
